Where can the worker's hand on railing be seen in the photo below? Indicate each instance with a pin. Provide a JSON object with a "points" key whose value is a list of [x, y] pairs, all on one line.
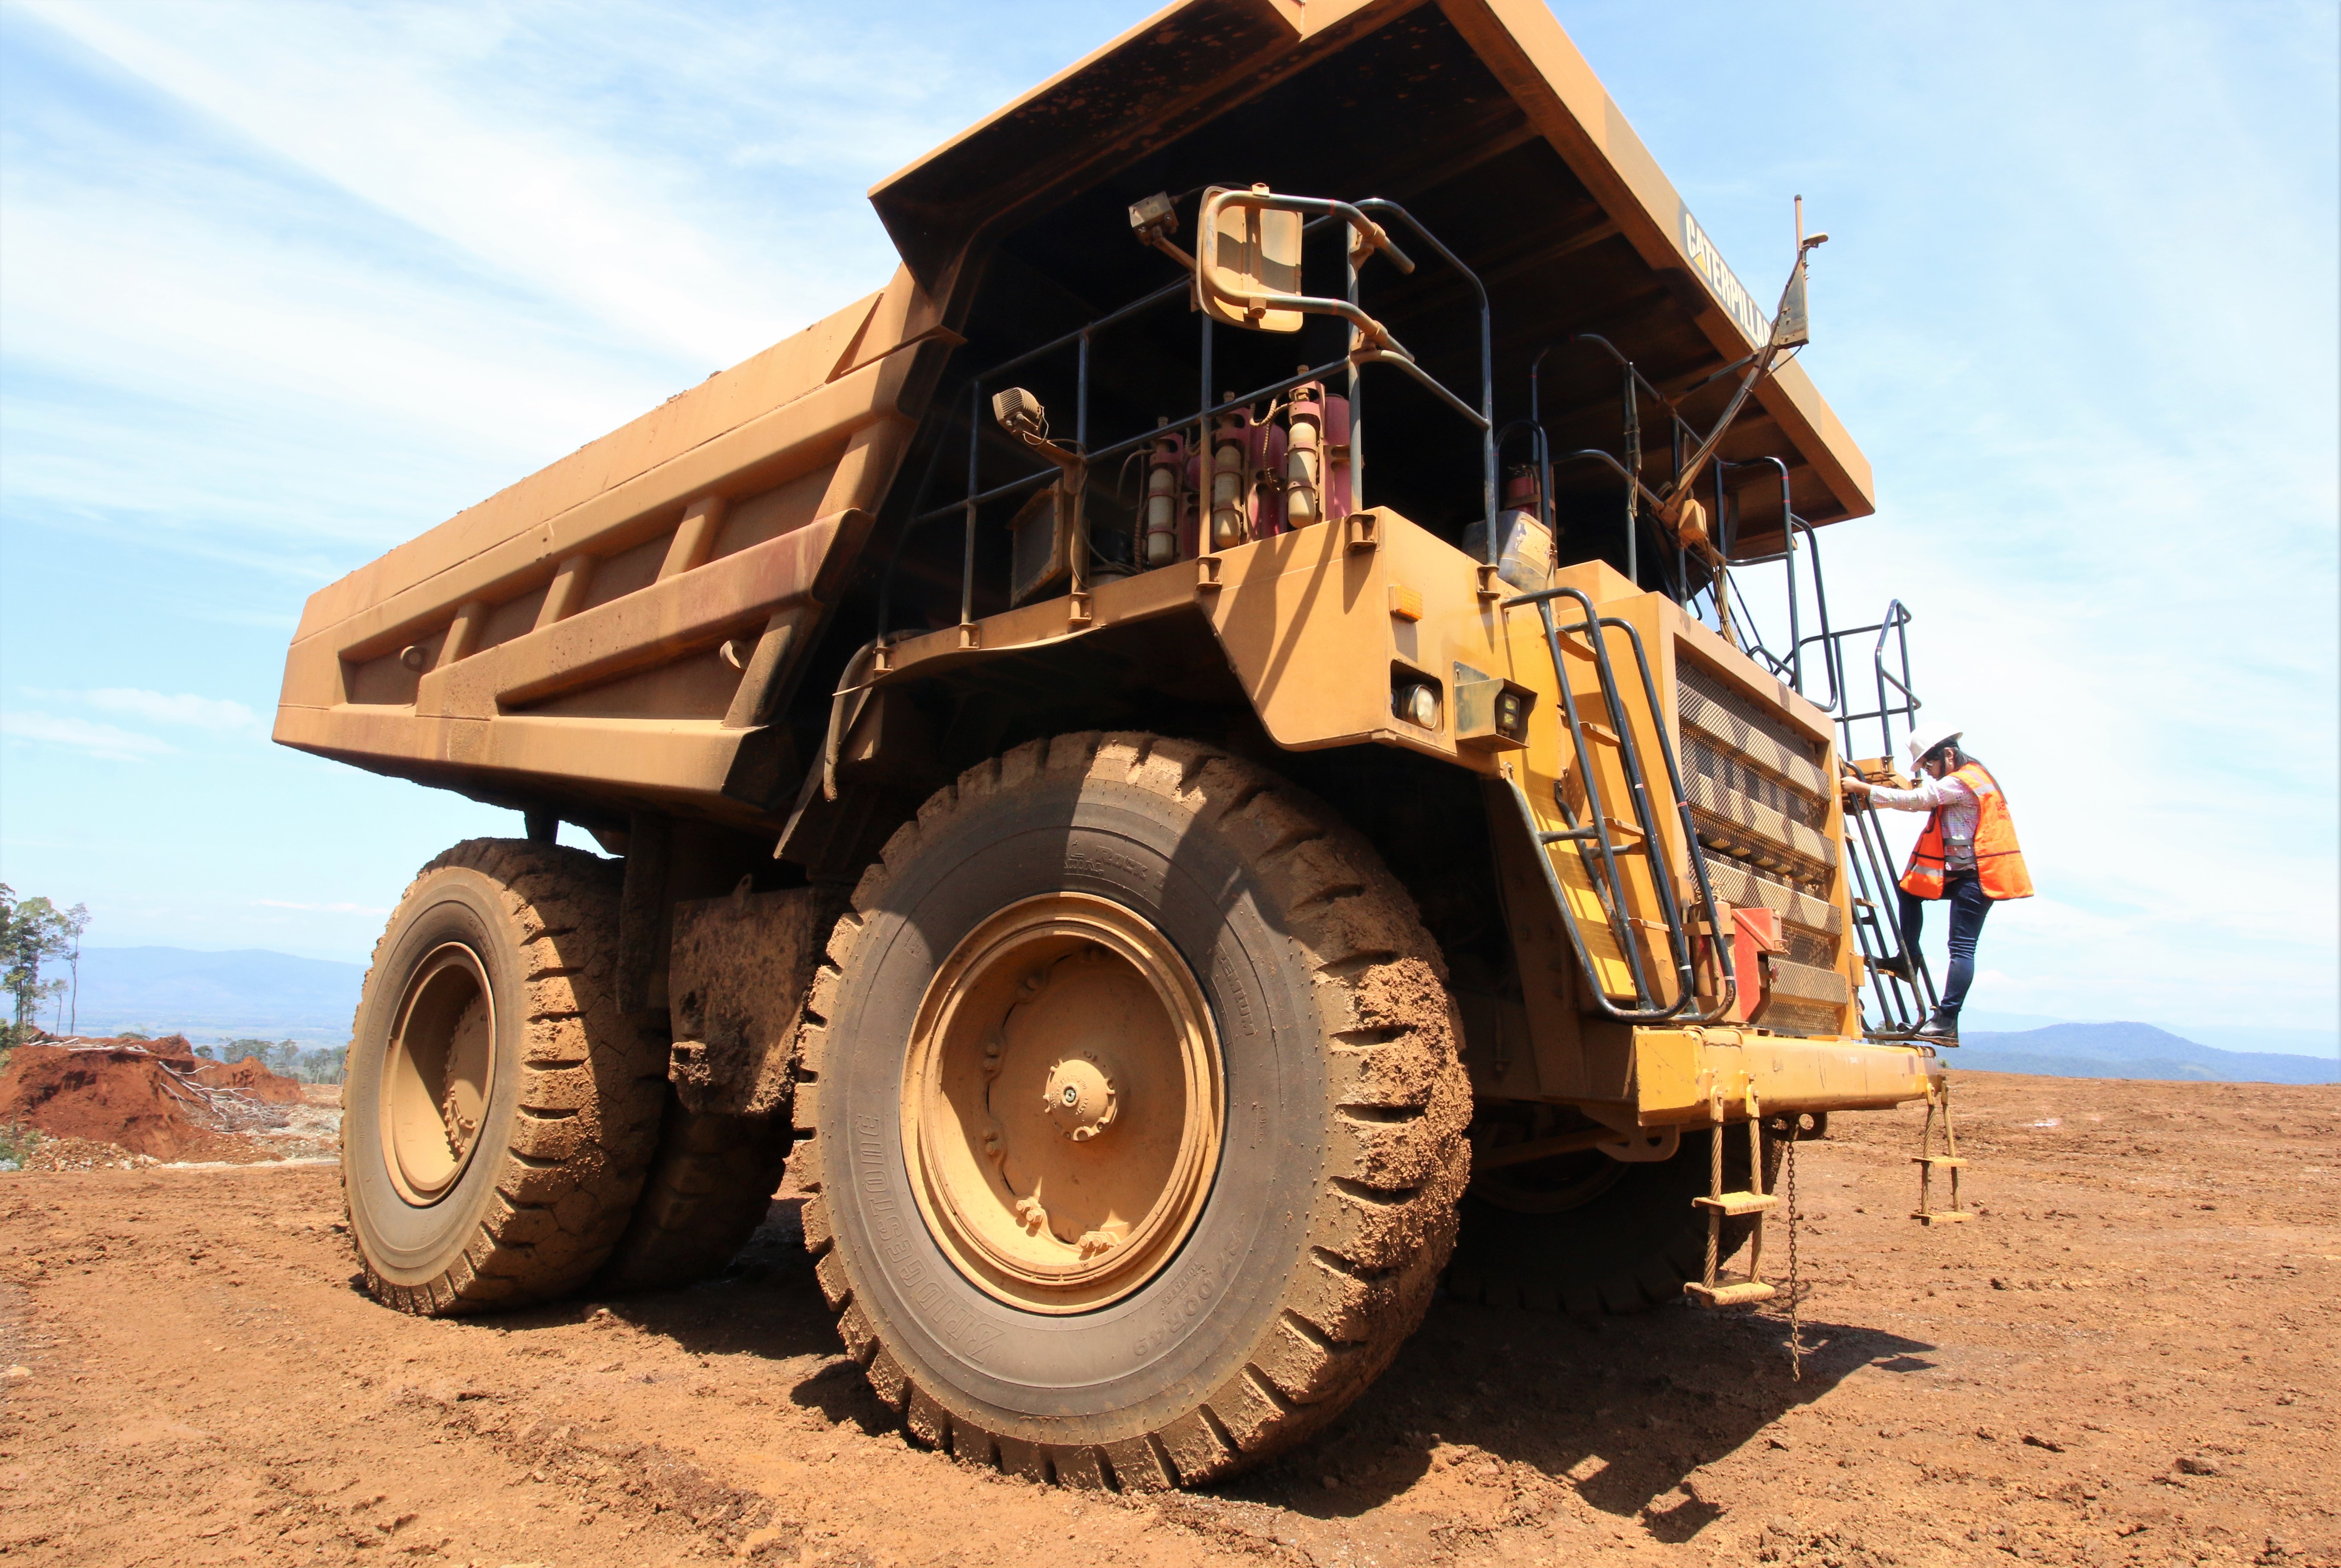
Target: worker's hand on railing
{"points": [[1856, 789]]}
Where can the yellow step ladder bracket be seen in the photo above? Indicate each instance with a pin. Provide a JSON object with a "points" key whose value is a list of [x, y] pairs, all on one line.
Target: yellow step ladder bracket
{"points": [[1938, 1091], [1711, 1291]]}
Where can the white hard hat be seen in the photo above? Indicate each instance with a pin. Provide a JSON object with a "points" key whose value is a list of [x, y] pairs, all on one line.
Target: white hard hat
{"points": [[1920, 747]]}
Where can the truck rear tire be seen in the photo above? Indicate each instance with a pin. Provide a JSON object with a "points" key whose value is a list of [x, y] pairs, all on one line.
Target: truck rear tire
{"points": [[1589, 1235], [499, 1110], [1170, 997], [710, 1186]]}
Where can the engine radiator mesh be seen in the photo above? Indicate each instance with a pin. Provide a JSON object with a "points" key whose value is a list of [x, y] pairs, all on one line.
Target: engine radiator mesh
{"points": [[1760, 791]]}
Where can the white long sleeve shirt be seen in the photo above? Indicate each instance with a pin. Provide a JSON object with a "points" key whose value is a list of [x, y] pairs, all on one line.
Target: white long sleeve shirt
{"points": [[1950, 795]]}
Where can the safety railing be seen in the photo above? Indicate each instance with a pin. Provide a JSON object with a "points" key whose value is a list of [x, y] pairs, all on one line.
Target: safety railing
{"points": [[1899, 981], [1362, 352], [1595, 844], [1892, 689]]}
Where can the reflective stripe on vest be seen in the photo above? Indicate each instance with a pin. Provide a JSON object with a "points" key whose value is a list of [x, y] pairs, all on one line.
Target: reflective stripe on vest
{"points": [[1999, 863]]}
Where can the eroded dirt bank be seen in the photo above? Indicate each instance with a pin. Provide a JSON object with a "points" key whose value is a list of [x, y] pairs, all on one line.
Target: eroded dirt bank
{"points": [[2127, 1357]]}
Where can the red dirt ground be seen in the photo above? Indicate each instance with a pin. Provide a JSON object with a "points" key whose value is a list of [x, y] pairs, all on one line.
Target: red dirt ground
{"points": [[135, 1094], [2127, 1357]]}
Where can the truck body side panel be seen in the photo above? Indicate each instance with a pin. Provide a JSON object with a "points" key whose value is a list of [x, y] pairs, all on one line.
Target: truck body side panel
{"points": [[1317, 624], [564, 637]]}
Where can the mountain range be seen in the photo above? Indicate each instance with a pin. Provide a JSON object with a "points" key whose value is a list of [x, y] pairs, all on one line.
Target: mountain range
{"points": [[2132, 1051], [249, 993]]}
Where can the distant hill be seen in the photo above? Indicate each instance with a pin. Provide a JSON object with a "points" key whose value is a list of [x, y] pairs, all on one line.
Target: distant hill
{"points": [[2325, 1043], [250, 993], [2131, 1051]]}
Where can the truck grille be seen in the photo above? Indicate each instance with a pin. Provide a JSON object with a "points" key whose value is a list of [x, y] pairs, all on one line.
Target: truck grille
{"points": [[1759, 792], [1755, 784], [1787, 1017]]}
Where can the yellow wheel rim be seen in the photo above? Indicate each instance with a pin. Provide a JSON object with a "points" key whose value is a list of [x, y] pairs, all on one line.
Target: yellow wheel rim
{"points": [[438, 1073], [1062, 1103]]}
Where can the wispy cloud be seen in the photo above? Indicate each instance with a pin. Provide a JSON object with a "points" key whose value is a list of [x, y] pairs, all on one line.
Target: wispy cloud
{"points": [[182, 708], [106, 741], [287, 284]]}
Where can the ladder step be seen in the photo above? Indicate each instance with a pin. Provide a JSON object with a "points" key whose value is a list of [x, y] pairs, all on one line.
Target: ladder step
{"points": [[1739, 1202], [1939, 1217], [1948, 1162], [1730, 1295]]}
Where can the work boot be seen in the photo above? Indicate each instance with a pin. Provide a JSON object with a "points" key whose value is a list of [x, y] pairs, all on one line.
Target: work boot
{"points": [[1943, 1028], [1899, 966]]}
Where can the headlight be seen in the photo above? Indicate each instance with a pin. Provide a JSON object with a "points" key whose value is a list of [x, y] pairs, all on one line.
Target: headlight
{"points": [[1417, 704]]}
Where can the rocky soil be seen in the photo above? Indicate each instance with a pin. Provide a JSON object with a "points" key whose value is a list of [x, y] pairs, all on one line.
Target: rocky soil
{"points": [[129, 1102], [2128, 1356]]}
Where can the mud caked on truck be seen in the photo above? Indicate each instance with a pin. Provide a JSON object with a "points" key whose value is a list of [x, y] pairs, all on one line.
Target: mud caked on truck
{"points": [[1196, 757]]}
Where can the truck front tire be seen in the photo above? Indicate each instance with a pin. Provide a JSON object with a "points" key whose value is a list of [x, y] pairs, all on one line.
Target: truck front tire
{"points": [[1136, 1121], [499, 1111]]}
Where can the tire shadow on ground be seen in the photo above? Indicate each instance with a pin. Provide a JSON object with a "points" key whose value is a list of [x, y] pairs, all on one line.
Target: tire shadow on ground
{"points": [[1624, 1411], [765, 1304]]}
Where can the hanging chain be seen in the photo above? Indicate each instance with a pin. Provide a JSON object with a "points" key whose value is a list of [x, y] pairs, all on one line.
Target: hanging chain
{"points": [[1789, 1187], [1715, 1189]]}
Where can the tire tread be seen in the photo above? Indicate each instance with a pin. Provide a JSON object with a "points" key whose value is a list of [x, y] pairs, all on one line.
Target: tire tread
{"points": [[1397, 1104], [588, 1108]]}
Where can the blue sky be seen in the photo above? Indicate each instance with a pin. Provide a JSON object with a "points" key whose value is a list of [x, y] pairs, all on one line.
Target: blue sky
{"points": [[283, 286]]}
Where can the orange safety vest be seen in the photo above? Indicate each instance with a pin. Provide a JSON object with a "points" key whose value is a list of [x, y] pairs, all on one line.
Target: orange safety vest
{"points": [[1999, 863]]}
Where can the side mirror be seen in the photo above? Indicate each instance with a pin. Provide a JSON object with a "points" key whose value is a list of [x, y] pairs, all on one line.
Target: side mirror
{"points": [[1248, 260]]}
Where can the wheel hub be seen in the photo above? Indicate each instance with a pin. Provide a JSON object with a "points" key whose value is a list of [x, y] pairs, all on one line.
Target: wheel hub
{"points": [[438, 1073], [1079, 1098], [1061, 1102]]}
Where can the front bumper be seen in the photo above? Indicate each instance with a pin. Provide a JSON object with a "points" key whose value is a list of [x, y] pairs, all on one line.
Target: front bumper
{"points": [[1678, 1074]]}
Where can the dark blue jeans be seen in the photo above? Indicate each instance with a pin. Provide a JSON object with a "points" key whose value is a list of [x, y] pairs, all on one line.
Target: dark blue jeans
{"points": [[1968, 906]]}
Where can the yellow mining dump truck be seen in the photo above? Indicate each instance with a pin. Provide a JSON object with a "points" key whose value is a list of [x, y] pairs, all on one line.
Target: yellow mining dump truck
{"points": [[1195, 755]]}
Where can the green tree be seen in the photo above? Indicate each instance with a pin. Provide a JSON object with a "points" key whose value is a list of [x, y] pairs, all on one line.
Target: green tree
{"points": [[322, 1066], [33, 931]]}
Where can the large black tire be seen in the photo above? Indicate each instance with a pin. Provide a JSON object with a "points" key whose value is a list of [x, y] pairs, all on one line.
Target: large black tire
{"points": [[1630, 1245], [521, 938], [710, 1186], [1318, 1240]]}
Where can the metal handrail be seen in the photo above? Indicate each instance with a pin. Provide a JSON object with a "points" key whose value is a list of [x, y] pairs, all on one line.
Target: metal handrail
{"points": [[1878, 934], [1360, 353], [1893, 626], [1611, 884], [1486, 414]]}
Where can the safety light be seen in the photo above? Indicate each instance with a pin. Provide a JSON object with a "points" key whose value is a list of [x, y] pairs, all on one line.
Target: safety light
{"points": [[1417, 704]]}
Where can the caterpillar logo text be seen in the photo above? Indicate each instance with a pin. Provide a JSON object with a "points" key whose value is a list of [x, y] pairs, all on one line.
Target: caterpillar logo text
{"points": [[1707, 261]]}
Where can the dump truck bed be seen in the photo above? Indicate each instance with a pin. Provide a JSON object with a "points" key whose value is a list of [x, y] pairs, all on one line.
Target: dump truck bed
{"points": [[451, 660], [631, 627]]}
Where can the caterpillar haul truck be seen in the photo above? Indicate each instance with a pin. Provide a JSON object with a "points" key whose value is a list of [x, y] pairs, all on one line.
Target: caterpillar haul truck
{"points": [[1194, 756]]}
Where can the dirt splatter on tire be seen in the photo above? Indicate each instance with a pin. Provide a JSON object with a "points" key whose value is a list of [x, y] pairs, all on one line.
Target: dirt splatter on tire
{"points": [[538, 1172], [709, 1187], [1333, 1209]]}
